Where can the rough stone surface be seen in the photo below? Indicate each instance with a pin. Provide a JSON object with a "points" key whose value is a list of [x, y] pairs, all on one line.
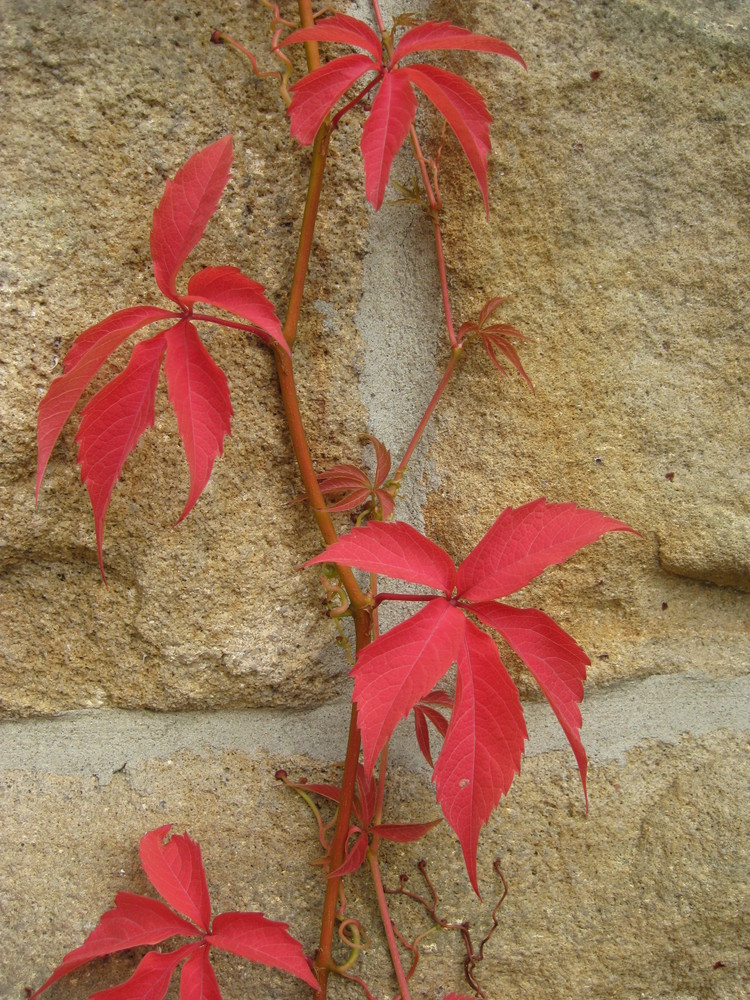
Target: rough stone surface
{"points": [[619, 226], [99, 112], [605, 195], [645, 898]]}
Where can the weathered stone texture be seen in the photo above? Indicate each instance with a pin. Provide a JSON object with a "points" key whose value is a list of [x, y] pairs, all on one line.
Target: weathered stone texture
{"points": [[619, 226], [100, 109], [645, 898]]}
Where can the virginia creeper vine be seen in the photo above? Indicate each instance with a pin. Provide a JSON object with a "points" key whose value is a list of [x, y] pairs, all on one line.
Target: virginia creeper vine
{"points": [[396, 672]]}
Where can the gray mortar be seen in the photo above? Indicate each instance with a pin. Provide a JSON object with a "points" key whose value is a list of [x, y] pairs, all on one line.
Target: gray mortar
{"points": [[400, 321], [616, 720]]}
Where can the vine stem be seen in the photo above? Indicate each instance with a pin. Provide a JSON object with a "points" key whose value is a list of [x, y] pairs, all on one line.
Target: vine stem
{"points": [[450, 368], [360, 603], [434, 204], [385, 916], [378, 16]]}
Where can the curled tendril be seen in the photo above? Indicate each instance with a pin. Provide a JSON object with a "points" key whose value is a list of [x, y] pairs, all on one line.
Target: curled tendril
{"points": [[473, 958], [278, 25]]}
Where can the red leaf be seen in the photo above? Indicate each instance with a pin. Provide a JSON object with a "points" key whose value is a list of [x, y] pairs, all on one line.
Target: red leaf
{"points": [[403, 833], [317, 93], [384, 132], [368, 795], [423, 735], [228, 288], [197, 979], [340, 28], [343, 477], [393, 549], [135, 920], [439, 721], [494, 340], [387, 505], [422, 712], [464, 109], [187, 204], [84, 359], [113, 422], [444, 35], [253, 936], [484, 744], [199, 394], [105, 337], [490, 308], [175, 870], [524, 541], [353, 859], [150, 981], [398, 669], [350, 501], [438, 697], [327, 791], [382, 459], [554, 658]]}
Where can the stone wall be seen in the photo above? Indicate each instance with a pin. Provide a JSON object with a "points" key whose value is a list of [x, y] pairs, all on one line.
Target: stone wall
{"points": [[619, 226]]}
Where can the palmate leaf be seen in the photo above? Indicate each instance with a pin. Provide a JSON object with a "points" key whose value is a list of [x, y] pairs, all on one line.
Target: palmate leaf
{"points": [[364, 804], [84, 359], [118, 415], [356, 485], [135, 920], [176, 870], [394, 106], [485, 737]]}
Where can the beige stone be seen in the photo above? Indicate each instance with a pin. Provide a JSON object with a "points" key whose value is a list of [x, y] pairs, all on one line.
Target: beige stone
{"points": [[645, 898], [619, 226]]}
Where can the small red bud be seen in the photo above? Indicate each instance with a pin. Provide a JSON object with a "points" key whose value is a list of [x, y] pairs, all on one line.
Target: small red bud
{"points": [[280, 775]]}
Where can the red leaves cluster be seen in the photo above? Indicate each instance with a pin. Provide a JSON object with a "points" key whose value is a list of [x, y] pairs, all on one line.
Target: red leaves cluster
{"points": [[495, 337], [175, 869], [356, 486], [395, 103], [364, 826], [113, 421], [484, 741]]}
